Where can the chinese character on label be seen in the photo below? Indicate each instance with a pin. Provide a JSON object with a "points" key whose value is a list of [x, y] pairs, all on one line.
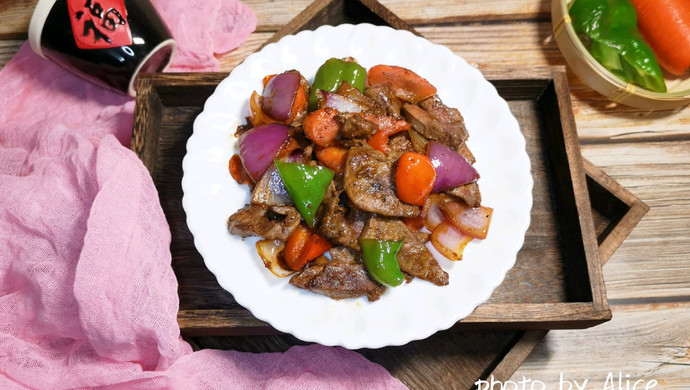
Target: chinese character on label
{"points": [[99, 24]]}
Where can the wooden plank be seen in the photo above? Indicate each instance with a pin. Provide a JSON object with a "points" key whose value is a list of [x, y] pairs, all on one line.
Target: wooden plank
{"points": [[231, 321], [272, 15], [653, 261], [541, 316], [420, 11], [579, 187], [517, 355], [335, 12], [8, 48], [614, 231], [255, 40], [15, 16], [526, 45], [613, 238], [415, 12], [647, 342]]}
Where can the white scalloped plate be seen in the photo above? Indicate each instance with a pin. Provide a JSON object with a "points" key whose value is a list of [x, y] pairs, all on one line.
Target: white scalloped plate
{"points": [[409, 312]]}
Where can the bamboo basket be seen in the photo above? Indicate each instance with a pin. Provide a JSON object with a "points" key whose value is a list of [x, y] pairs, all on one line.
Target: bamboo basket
{"points": [[601, 80]]}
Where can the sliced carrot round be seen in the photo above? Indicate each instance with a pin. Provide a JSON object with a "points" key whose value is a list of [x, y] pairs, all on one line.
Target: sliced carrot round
{"points": [[414, 178], [332, 157], [295, 246], [321, 127], [237, 170], [316, 246], [406, 84]]}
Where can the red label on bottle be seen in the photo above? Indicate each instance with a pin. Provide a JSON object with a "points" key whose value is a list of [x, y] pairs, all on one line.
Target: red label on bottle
{"points": [[99, 24]]}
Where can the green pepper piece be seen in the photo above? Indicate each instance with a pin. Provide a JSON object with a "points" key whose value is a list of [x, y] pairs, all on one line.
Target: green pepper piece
{"points": [[609, 29], [380, 258], [331, 75], [306, 185]]}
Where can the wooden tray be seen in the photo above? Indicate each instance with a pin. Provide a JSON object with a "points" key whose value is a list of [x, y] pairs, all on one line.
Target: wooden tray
{"points": [[166, 108], [168, 104], [555, 283]]}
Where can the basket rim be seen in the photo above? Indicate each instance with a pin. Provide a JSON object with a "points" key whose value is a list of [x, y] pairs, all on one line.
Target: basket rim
{"points": [[625, 89]]}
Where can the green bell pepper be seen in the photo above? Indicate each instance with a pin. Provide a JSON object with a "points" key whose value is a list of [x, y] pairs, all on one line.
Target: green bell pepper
{"points": [[609, 29], [307, 186], [380, 258], [331, 75]]}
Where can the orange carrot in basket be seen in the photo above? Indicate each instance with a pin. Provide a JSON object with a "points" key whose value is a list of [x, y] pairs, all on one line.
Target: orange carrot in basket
{"points": [[665, 25]]}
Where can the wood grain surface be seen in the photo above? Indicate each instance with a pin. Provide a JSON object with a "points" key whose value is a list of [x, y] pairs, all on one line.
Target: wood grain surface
{"points": [[648, 276]]}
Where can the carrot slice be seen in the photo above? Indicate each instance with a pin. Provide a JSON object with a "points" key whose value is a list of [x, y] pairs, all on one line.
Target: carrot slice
{"points": [[414, 178], [316, 246], [299, 105], [321, 127], [303, 246], [295, 245], [333, 157], [406, 84], [287, 147], [665, 25], [388, 126], [414, 224], [237, 170]]}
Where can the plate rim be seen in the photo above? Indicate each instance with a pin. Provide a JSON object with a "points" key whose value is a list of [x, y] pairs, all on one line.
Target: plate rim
{"points": [[355, 345]]}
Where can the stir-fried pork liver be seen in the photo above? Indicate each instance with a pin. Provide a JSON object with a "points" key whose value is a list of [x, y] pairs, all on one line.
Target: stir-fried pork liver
{"points": [[342, 277], [452, 134], [340, 224], [385, 99], [469, 193], [465, 151], [361, 201], [400, 143], [271, 223], [368, 181], [442, 113], [355, 126], [414, 258]]}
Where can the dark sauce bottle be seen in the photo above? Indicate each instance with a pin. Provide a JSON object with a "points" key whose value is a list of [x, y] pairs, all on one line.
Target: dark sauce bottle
{"points": [[115, 66]]}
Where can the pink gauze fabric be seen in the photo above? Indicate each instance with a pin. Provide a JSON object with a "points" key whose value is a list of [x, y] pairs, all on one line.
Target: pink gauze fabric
{"points": [[87, 294]]}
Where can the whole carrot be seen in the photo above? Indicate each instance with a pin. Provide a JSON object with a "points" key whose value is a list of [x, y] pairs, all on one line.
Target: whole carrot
{"points": [[665, 25]]}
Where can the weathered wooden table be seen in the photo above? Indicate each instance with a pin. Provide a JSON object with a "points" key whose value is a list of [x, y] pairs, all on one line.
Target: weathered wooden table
{"points": [[647, 278]]}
